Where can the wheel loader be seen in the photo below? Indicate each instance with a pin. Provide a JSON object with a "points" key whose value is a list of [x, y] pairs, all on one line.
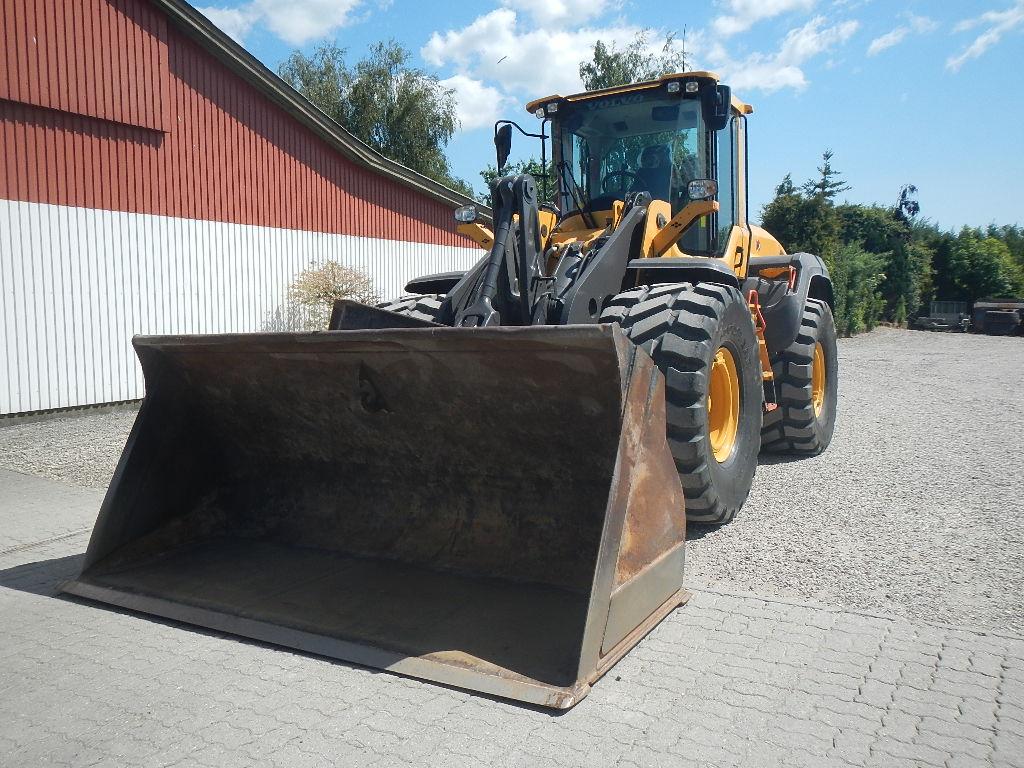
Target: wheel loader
{"points": [[486, 483]]}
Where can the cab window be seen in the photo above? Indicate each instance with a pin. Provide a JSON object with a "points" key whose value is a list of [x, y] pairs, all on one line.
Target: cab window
{"points": [[639, 142]]}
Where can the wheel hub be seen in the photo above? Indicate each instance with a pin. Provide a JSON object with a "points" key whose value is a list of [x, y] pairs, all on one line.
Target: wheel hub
{"points": [[818, 379], [723, 405]]}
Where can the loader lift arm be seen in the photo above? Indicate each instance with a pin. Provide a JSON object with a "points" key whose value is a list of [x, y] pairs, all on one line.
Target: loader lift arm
{"points": [[508, 287]]}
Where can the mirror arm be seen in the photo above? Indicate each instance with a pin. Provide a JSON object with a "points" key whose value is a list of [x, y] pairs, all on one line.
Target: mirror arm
{"points": [[669, 234], [503, 130]]}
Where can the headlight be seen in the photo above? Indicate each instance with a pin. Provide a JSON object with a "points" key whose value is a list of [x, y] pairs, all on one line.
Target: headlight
{"points": [[702, 189], [466, 214]]}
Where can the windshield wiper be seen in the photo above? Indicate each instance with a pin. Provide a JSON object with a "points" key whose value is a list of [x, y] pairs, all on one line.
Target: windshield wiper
{"points": [[577, 194]]}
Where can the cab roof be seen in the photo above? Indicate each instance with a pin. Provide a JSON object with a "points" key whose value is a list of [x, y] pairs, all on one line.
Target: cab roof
{"points": [[712, 77]]}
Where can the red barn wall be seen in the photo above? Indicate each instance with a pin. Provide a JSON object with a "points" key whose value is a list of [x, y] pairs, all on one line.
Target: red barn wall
{"points": [[148, 188]]}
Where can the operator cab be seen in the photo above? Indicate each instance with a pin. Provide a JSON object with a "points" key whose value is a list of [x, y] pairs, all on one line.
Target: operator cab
{"points": [[654, 137], [635, 143]]}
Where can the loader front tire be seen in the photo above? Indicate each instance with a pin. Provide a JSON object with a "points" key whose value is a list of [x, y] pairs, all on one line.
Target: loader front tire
{"points": [[425, 306], [806, 385], [702, 338]]}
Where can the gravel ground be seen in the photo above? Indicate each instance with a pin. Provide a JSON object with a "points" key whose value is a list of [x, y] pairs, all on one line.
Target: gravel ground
{"points": [[915, 510], [81, 449], [917, 507]]}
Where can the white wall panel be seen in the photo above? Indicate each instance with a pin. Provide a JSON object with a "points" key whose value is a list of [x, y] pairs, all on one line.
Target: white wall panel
{"points": [[76, 284]]}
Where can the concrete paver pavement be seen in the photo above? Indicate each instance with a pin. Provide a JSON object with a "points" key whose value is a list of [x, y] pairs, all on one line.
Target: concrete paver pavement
{"points": [[33, 509], [727, 680]]}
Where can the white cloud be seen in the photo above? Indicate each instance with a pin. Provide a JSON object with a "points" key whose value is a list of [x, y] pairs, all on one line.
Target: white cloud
{"points": [[548, 12], [920, 25], [757, 74], [783, 69], [998, 23], [234, 22], [743, 14], [294, 21], [813, 38], [501, 59], [493, 48], [299, 21], [888, 40], [478, 104]]}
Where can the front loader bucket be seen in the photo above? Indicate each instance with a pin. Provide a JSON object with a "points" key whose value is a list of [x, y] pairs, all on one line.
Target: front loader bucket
{"points": [[494, 509]]}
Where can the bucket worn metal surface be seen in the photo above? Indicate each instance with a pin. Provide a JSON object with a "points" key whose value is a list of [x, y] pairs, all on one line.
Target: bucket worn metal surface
{"points": [[494, 509]]}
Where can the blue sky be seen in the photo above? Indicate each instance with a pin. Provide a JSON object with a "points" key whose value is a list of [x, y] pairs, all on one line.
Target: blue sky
{"points": [[917, 92]]}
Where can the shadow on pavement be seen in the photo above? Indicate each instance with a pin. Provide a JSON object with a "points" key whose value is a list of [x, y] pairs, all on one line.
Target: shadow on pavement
{"points": [[768, 459], [43, 577], [696, 531]]}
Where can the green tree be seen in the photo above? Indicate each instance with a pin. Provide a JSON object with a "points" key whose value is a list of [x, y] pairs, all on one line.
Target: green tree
{"points": [[983, 267], [532, 167], [886, 262], [1013, 238], [856, 275], [888, 231], [635, 63], [399, 110], [939, 244], [808, 224], [908, 277], [323, 78], [805, 219], [786, 186], [829, 182], [878, 229], [921, 263]]}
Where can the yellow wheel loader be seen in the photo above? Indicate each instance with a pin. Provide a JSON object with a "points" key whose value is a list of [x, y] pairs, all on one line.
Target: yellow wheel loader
{"points": [[473, 485]]}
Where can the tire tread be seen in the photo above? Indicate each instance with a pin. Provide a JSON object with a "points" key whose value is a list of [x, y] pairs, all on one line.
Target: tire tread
{"points": [[791, 427], [675, 323], [424, 306]]}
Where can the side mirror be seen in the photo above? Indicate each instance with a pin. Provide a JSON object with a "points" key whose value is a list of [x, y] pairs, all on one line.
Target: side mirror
{"points": [[702, 189], [503, 145], [716, 104]]}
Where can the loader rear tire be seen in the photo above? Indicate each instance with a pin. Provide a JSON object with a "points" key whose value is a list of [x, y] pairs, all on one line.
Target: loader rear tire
{"points": [[806, 384], [701, 337], [424, 306]]}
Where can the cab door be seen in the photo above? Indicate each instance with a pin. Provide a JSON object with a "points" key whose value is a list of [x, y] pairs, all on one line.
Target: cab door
{"points": [[733, 225]]}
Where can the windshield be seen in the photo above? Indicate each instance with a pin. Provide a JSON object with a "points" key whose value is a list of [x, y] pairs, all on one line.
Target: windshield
{"points": [[638, 142]]}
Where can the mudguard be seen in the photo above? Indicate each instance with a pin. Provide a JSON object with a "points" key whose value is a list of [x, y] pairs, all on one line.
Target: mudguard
{"points": [[782, 306]]}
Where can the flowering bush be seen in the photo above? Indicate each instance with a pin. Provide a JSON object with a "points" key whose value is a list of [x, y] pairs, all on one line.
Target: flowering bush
{"points": [[314, 291]]}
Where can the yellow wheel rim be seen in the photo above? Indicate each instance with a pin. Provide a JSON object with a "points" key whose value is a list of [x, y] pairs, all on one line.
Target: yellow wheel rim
{"points": [[818, 379], [723, 405]]}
